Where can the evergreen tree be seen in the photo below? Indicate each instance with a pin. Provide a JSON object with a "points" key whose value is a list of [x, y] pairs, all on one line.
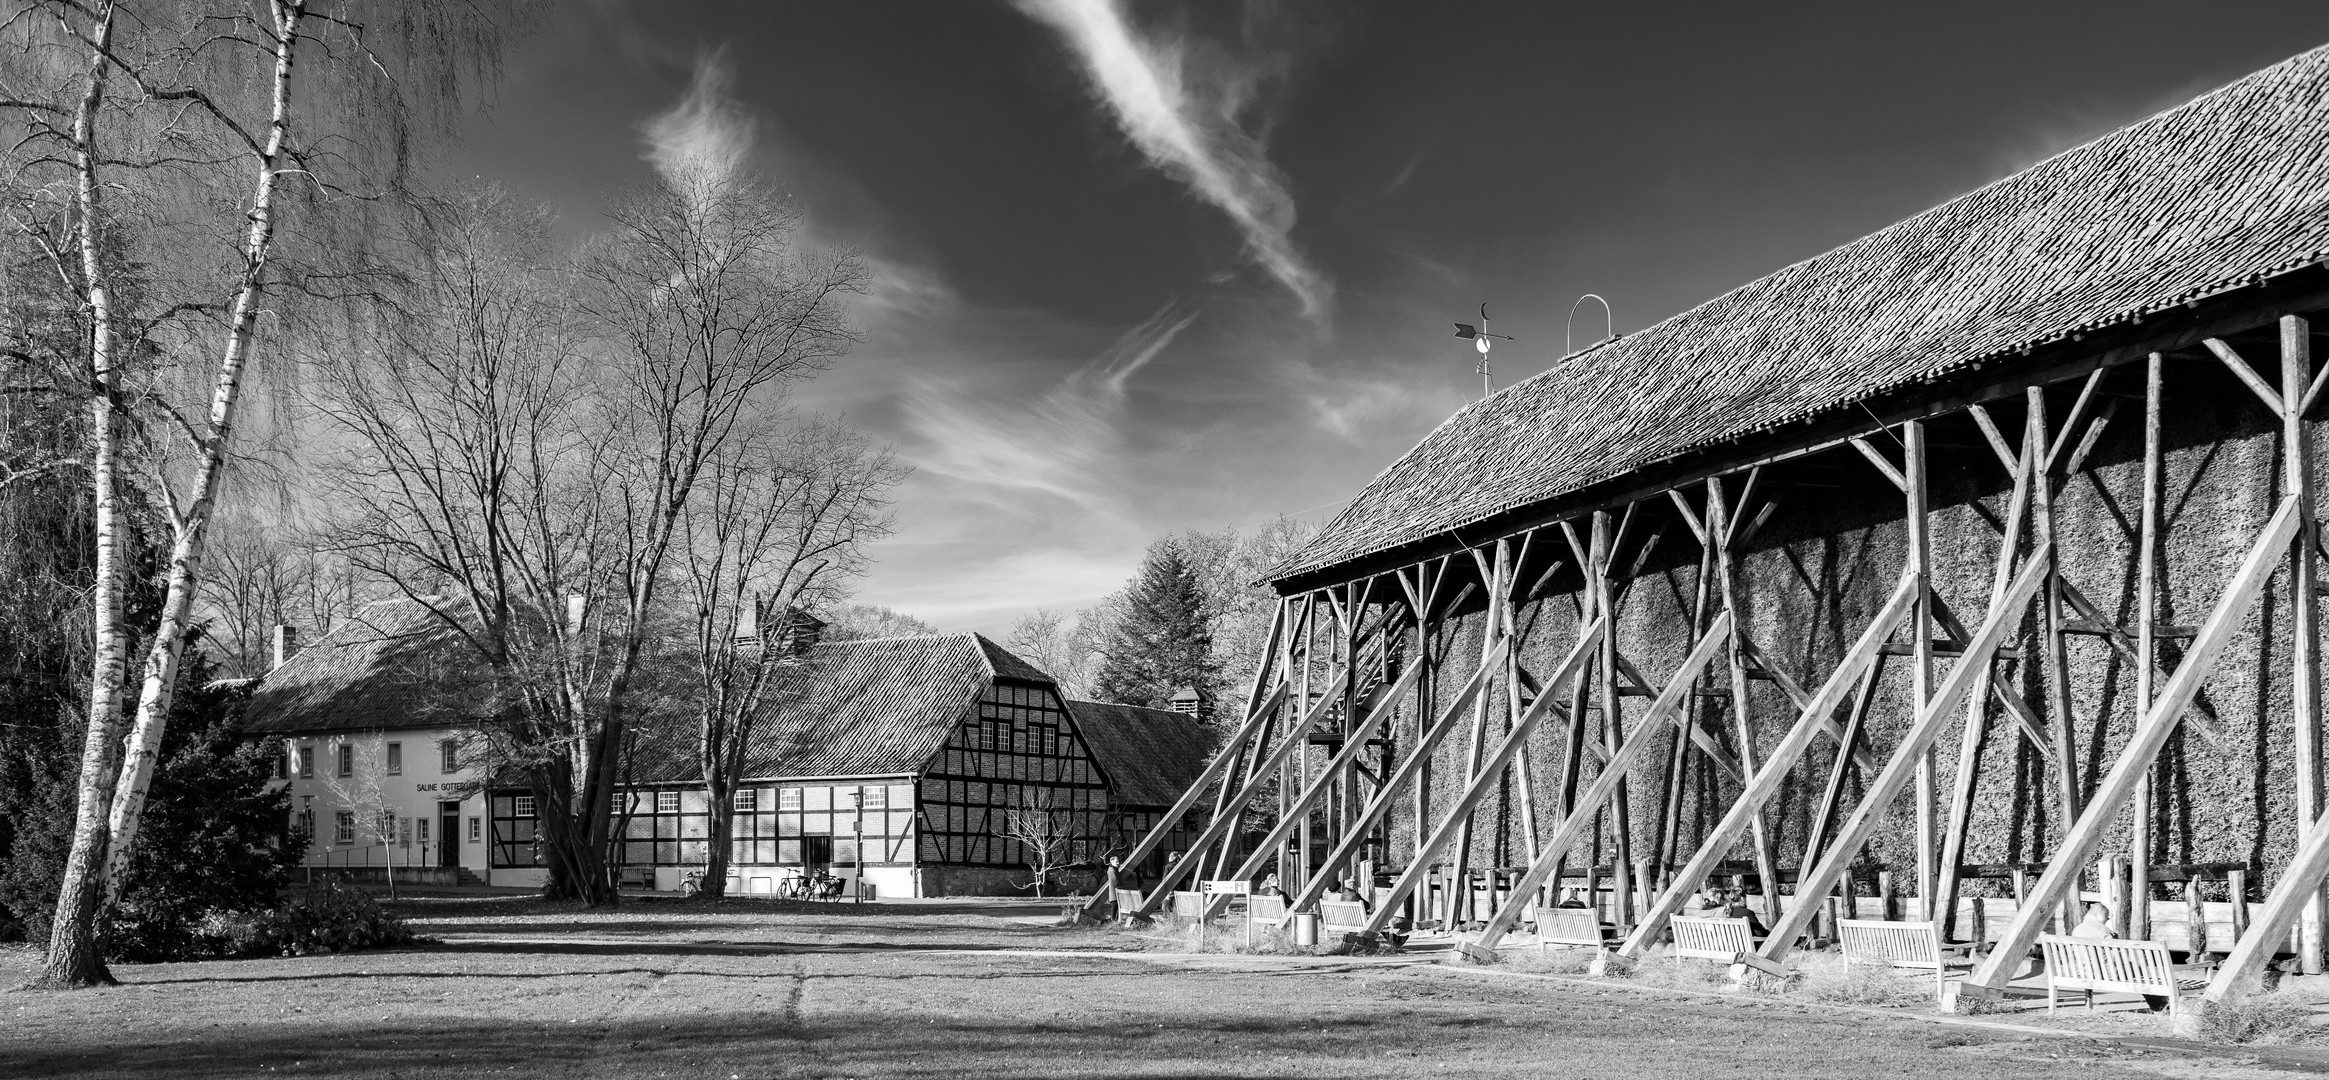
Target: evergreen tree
{"points": [[1162, 639]]}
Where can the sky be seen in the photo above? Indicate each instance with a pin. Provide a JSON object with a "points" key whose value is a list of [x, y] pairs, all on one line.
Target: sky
{"points": [[1144, 267]]}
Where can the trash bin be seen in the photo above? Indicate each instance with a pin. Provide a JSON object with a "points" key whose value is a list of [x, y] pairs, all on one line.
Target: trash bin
{"points": [[1306, 928]]}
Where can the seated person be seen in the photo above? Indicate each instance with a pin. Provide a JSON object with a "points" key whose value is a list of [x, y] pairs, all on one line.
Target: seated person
{"points": [[1735, 907], [1705, 904], [1569, 899], [2097, 924]]}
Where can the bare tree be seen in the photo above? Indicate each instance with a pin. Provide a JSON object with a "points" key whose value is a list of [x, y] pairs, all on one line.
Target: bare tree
{"points": [[256, 580], [853, 622], [1058, 644], [179, 151], [1046, 833], [778, 528]]}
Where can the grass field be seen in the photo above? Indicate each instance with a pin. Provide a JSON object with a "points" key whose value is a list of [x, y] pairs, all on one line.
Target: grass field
{"points": [[751, 990]]}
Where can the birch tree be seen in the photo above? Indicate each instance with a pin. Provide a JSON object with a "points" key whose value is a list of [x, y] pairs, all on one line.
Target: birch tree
{"points": [[778, 529], [175, 139]]}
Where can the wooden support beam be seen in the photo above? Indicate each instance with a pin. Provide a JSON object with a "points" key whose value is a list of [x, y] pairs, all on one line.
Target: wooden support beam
{"points": [[2146, 645], [2296, 368], [2142, 748], [1492, 638], [2264, 391], [1385, 703], [2056, 662], [1772, 775], [1218, 829], [1719, 511], [1909, 756], [2070, 422], [1606, 785], [1824, 819], [1460, 813], [1891, 472], [2006, 454], [1258, 713], [1417, 759], [1977, 712], [1795, 693]]}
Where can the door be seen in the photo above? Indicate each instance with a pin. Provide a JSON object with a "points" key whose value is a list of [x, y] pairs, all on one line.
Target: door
{"points": [[816, 853], [449, 835]]}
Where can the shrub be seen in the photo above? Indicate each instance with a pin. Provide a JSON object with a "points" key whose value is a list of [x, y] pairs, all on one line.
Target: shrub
{"points": [[329, 916], [2263, 1018]]}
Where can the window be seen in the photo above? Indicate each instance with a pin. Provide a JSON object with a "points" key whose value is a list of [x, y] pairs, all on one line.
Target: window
{"points": [[420, 829], [396, 759], [307, 762], [522, 806], [347, 760], [305, 823], [788, 798], [344, 827], [666, 802], [449, 757], [877, 798], [283, 765], [748, 799], [476, 829]]}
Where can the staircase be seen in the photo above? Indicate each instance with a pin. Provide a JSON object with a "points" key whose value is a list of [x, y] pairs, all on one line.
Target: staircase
{"points": [[469, 877]]}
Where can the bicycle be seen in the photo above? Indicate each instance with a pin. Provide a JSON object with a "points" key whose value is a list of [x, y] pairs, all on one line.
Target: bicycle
{"points": [[691, 883]]}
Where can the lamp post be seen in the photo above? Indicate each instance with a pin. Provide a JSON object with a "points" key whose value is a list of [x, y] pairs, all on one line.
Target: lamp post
{"points": [[857, 825]]}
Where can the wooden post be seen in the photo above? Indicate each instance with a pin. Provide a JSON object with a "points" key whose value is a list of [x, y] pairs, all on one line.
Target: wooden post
{"points": [[2057, 669], [1718, 529], [2111, 882], [1678, 772], [2195, 917], [1850, 888], [1977, 704], [2236, 883], [1613, 727], [1765, 782], [1920, 560], [2296, 364], [1980, 920], [1491, 633], [1887, 901], [2146, 648], [2142, 749]]}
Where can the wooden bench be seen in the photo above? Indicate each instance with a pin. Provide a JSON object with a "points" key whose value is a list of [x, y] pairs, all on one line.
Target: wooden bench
{"points": [[1572, 926], [1188, 905], [1913, 945], [1341, 916], [1127, 903], [2125, 967], [1720, 940], [1266, 909]]}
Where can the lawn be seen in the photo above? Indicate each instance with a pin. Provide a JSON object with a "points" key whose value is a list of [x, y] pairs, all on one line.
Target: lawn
{"points": [[516, 987]]}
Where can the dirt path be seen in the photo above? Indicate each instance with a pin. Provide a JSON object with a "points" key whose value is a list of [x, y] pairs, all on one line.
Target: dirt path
{"points": [[526, 999]]}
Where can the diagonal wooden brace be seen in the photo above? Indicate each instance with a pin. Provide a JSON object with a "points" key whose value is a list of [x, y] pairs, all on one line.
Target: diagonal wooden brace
{"points": [[2134, 761], [1772, 775], [1488, 778], [1581, 815], [2005, 616]]}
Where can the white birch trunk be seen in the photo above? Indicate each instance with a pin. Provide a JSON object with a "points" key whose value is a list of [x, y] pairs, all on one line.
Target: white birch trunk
{"points": [[73, 959], [190, 527]]}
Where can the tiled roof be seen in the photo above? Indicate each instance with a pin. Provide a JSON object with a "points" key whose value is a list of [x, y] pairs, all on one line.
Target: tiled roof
{"points": [[1150, 755], [2227, 190], [391, 665], [873, 706]]}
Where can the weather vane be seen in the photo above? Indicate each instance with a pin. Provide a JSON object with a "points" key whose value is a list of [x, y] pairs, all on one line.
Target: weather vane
{"points": [[1480, 340]]}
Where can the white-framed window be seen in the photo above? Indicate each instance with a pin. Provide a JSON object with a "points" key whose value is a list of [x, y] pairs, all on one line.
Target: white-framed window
{"points": [[666, 802], [476, 829], [876, 798], [307, 762], [788, 798], [748, 799], [347, 760], [396, 759], [344, 827], [420, 829], [522, 806], [448, 757]]}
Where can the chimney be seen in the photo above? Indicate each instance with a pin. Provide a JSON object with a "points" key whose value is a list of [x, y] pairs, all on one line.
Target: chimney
{"points": [[1193, 702], [286, 644]]}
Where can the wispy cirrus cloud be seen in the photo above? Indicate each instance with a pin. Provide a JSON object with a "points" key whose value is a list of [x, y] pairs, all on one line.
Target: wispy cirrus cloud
{"points": [[1186, 122], [704, 140]]}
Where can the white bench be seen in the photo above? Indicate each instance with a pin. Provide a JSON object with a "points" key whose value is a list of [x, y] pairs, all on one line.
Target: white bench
{"points": [[1913, 945], [1341, 916], [1718, 939], [1571, 926], [1127, 903], [1266, 909], [2125, 967], [1188, 905]]}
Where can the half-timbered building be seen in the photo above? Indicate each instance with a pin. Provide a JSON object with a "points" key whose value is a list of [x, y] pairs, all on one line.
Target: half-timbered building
{"points": [[1978, 557]]}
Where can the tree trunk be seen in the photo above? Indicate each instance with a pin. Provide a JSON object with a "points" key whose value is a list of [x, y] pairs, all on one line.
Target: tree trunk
{"points": [[720, 822], [73, 959], [190, 527]]}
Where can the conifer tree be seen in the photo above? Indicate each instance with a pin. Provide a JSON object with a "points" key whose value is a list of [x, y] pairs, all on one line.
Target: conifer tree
{"points": [[1163, 638]]}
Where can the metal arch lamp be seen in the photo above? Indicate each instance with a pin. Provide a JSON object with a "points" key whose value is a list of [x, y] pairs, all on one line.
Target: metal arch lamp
{"points": [[1481, 339], [1608, 322]]}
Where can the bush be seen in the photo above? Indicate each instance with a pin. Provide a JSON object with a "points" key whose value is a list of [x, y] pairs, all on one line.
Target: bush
{"points": [[329, 916]]}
